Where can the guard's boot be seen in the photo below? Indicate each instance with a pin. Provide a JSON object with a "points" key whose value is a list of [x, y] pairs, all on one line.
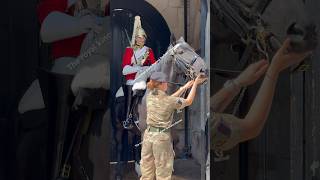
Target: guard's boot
{"points": [[128, 122], [57, 97], [90, 151], [138, 95], [133, 98]]}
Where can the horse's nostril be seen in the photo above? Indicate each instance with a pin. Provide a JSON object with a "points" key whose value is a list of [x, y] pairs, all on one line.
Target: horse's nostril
{"points": [[205, 71]]}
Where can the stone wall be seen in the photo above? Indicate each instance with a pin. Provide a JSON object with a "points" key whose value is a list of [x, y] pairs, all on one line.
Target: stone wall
{"points": [[173, 12]]}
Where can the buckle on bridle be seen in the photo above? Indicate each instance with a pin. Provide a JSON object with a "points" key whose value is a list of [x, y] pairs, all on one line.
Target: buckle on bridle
{"points": [[194, 60]]}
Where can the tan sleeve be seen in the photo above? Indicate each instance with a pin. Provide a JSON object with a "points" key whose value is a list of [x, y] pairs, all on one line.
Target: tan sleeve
{"points": [[177, 102], [225, 131]]}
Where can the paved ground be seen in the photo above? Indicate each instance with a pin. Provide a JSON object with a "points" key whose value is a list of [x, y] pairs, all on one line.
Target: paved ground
{"points": [[183, 170]]}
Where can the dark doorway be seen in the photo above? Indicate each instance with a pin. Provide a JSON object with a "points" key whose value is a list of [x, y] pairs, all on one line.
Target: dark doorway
{"points": [[156, 28]]}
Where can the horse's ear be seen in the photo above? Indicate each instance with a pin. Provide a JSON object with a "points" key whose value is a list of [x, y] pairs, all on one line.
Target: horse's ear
{"points": [[172, 40], [181, 40]]}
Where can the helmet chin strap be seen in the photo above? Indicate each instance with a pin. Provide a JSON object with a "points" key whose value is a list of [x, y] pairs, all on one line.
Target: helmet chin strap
{"points": [[138, 46]]}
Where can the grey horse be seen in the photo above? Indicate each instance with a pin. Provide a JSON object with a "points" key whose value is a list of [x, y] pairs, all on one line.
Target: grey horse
{"points": [[180, 63]]}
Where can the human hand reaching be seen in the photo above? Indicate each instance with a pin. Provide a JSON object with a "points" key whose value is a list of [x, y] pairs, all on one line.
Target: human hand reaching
{"points": [[285, 58], [252, 73], [201, 78], [188, 84]]}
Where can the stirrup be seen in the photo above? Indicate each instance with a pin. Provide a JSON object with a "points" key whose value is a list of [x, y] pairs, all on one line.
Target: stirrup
{"points": [[65, 173]]}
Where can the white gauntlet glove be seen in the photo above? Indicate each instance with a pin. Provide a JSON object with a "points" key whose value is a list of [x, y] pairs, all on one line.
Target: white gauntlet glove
{"points": [[130, 69], [58, 26], [88, 23], [143, 68]]}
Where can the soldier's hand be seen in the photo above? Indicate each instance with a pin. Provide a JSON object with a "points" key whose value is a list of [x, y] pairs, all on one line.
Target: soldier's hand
{"points": [[284, 59], [188, 84], [201, 78], [252, 73]]}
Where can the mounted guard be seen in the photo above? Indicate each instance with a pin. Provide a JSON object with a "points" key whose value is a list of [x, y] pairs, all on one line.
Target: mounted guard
{"points": [[136, 59]]}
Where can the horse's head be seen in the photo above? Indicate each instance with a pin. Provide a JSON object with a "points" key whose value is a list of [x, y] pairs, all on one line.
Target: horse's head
{"points": [[180, 59], [186, 59]]}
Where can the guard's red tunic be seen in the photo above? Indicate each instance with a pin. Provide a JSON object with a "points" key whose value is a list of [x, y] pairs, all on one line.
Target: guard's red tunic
{"points": [[69, 47], [127, 61]]}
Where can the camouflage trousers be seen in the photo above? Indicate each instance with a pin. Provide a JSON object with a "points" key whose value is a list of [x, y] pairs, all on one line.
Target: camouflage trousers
{"points": [[157, 156]]}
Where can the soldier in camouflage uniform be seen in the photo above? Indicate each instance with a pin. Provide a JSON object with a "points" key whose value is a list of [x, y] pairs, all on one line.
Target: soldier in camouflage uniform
{"points": [[227, 130], [157, 153]]}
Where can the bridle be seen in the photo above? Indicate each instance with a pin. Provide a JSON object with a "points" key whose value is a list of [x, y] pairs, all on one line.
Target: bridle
{"points": [[182, 63], [179, 60]]}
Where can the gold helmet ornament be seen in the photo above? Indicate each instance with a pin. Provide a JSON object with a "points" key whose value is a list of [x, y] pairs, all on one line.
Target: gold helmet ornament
{"points": [[138, 31]]}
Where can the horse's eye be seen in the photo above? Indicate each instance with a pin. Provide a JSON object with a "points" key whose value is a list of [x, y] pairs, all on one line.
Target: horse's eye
{"points": [[179, 51]]}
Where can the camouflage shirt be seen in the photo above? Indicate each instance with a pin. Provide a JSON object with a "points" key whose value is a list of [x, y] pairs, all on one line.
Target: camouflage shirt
{"points": [[160, 108], [225, 131]]}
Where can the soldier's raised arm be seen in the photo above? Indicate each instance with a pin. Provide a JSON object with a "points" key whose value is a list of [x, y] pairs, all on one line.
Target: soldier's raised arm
{"points": [[232, 87], [228, 130]]}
